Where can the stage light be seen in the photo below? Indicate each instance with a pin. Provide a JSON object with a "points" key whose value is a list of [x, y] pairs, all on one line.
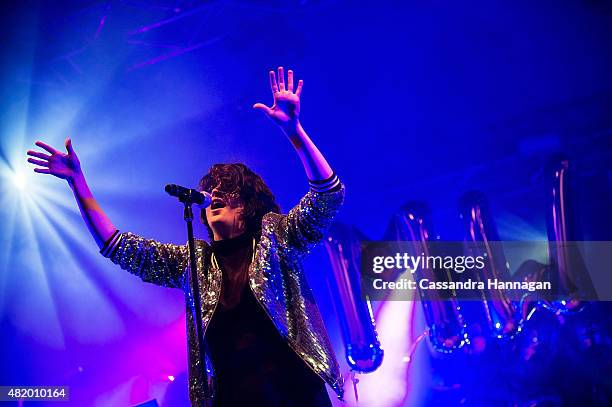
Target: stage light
{"points": [[19, 181], [171, 378]]}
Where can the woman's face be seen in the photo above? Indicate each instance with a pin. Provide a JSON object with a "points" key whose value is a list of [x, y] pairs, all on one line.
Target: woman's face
{"points": [[225, 214]]}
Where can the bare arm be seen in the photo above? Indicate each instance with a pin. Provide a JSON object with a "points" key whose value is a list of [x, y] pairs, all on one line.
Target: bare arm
{"points": [[68, 167], [99, 225], [158, 263], [306, 223]]}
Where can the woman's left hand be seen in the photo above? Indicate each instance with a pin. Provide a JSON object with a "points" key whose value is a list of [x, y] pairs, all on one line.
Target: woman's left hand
{"points": [[286, 108]]}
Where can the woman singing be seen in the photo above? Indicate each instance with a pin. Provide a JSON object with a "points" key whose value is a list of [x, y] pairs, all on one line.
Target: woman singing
{"points": [[266, 344]]}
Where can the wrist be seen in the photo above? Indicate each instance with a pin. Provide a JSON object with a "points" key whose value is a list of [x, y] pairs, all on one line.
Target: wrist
{"points": [[76, 180], [292, 129]]}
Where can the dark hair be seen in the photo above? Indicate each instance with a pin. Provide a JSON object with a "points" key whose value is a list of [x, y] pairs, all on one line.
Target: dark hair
{"points": [[253, 191]]}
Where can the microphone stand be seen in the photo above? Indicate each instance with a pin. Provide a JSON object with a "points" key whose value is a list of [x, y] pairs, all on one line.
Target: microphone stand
{"points": [[193, 268]]}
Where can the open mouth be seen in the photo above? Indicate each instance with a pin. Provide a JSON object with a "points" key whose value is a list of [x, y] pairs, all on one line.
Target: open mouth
{"points": [[217, 204]]}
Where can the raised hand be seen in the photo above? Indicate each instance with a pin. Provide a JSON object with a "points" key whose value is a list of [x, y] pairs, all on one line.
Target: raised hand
{"points": [[286, 108], [65, 166]]}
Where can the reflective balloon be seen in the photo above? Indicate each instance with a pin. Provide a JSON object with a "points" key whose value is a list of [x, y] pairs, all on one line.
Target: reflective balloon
{"points": [[363, 351], [446, 329], [497, 310], [567, 268]]}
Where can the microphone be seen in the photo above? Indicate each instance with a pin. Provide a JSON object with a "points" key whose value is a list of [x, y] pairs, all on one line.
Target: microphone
{"points": [[187, 195]]}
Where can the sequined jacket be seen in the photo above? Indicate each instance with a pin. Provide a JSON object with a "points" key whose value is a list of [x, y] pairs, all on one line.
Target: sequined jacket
{"points": [[276, 278]]}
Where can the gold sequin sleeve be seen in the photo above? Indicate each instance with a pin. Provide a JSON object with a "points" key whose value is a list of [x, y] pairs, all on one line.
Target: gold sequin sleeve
{"points": [[154, 262], [305, 224]]}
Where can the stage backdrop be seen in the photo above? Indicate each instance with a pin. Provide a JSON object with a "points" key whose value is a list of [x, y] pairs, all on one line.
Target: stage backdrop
{"points": [[407, 100]]}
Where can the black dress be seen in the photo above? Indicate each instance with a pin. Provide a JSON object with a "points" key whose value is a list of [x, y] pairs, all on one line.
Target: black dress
{"points": [[254, 365]]}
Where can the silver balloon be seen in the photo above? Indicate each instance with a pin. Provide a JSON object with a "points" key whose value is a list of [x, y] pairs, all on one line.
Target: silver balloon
{"points": [[499, 312], [363, 351], [567, 268], [446, 329]]}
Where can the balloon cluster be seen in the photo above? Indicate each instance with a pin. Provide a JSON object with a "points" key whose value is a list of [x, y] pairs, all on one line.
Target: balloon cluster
{"points": [[451, 323]]}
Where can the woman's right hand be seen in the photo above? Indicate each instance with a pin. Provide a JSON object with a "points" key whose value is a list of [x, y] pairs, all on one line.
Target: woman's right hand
{"points": [[65, 166]]}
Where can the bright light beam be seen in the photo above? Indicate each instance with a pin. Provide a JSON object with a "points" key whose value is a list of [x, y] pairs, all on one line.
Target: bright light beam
{"points": [[19, 181], [77, 285], [35, 303]]}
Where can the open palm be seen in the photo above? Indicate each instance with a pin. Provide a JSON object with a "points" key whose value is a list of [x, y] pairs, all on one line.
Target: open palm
{"points": [[286, 108], [64, 166]]}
